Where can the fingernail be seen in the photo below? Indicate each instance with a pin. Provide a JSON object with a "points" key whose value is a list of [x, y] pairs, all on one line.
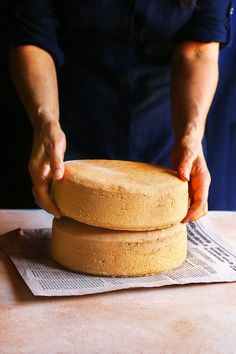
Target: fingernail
{"points": [[186, 175]]}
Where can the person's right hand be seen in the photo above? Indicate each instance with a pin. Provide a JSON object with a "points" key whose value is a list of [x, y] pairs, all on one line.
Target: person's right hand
{"points": [[46, 163]]}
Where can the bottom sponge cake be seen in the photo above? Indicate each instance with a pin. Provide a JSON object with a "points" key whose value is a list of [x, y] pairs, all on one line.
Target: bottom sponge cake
{"points": [[97, 251]]}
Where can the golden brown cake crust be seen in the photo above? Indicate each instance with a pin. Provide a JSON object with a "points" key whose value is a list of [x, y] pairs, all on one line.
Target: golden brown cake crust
{"points": [[99, 251], [121, 195]]}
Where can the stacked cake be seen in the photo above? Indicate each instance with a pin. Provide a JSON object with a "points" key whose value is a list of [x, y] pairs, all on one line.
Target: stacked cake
{"points": [[122, 218]]}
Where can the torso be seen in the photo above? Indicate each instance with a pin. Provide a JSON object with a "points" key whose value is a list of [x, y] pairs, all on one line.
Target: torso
{"points": [[116, 87]]}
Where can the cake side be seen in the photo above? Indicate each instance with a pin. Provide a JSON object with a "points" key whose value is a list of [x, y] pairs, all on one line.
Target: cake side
{"points": [[116, 203], [99, 251]]}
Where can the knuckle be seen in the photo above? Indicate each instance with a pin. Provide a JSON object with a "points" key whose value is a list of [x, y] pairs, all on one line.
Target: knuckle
{"points": [[32, 166]]}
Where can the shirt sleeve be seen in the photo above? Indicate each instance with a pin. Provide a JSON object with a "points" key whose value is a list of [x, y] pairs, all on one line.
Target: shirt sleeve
{"points": [[210, 22], [35, 22]]}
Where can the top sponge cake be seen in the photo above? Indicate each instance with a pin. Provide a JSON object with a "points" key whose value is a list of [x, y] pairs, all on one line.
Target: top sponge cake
{"points": [[121, 195]]}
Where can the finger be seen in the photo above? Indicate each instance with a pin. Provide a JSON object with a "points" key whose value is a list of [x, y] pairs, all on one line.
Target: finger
{"points": [[43, 199], [199, 189], [41, 177], [56, 157], [197, 210]]}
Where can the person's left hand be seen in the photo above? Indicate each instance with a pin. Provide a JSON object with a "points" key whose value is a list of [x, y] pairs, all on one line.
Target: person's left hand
{"points": [[190, 164]]}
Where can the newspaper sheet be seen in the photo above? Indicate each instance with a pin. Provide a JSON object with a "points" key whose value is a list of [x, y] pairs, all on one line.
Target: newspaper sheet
{"points": [[211, 258]]}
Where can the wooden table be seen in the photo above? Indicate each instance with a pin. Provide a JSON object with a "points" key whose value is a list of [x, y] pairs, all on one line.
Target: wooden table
{"points": [[191, 319]]}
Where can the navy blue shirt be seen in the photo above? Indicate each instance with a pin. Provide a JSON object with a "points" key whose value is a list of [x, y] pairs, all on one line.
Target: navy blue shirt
{"points": [[113, 59]]}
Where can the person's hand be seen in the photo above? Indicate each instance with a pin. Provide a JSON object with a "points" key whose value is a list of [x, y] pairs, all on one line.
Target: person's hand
{"points": [[46, 163], [189, 161]]}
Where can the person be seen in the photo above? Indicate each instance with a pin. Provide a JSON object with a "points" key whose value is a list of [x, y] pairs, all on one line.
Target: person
{"points": [[107, 79], [220, 133]]}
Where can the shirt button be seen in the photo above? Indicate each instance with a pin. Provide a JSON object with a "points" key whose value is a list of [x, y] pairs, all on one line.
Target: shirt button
{"points": [[231, 11]]}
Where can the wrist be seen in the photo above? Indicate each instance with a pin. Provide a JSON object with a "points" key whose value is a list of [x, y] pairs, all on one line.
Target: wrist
{"points": [[192, 131], [188, 141], [45, 121]]}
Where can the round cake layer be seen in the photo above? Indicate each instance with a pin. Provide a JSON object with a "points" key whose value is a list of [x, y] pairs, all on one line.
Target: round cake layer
{"points": [[98, 251], [121, 195]]}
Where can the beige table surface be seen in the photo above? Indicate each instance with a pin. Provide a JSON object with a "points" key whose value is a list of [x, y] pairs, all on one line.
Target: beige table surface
{"points": [[178, 319]]}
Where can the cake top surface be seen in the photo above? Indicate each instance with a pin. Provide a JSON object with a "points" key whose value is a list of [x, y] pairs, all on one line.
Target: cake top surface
{"points": [[121, 174]]}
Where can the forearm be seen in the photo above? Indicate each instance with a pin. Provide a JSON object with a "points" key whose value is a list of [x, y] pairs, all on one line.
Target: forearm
{"points": [[194, 81], [193, 84], [34, 75]]}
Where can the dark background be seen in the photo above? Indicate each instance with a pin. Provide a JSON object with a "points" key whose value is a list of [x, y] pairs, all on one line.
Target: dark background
{"points": [[220, 137], [15, 142]]}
